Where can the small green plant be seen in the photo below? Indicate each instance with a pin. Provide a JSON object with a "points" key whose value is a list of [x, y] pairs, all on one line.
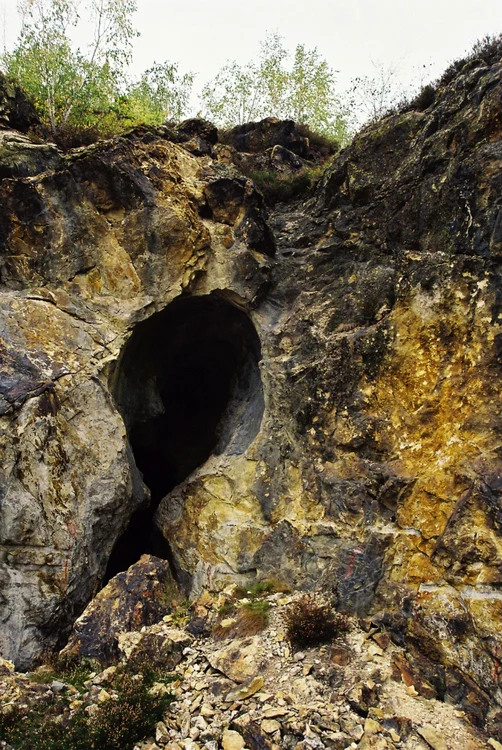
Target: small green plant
{"points": [[73, 671], [255, 590], [227, 609], [310, 620], [181, 614], [247, 618], [279, 188]]}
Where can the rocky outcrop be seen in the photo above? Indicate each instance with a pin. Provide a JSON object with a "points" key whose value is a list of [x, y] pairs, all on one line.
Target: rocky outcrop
{"points": [[272, 146], [136, 598], [337, 364], [88, 251], [256, 137], [348, 693]]}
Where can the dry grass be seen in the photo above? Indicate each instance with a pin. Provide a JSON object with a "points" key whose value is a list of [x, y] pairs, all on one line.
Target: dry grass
{"points": [[249, 618]]}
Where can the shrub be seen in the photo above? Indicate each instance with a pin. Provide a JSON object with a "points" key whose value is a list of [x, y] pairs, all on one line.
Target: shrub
{"points": [[70, 669], [425, 97], [487, 51], [116, 724], [120, 723], [279, 188], [310, 620]]}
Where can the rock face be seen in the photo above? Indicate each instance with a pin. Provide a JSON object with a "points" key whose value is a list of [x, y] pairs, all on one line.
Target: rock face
{"points": [[89, 249], [343, 393]]}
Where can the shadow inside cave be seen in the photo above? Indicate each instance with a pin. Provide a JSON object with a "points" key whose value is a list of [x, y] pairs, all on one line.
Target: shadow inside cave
{"points": [[188, 386]]}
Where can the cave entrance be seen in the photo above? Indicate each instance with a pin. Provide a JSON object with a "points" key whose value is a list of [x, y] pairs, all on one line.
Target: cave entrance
{"points": [[188, 386]]}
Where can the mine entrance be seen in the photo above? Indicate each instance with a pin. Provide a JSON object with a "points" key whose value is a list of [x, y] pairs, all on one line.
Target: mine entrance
{"points": [[188, 385]]}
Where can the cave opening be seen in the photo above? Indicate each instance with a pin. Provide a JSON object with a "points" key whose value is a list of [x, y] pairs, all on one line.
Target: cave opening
{"points": [[188, 386]]}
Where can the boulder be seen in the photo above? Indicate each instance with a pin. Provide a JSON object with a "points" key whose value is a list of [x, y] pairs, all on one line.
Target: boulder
{"points": [[255, 137], [240, 660], [140, 596]]}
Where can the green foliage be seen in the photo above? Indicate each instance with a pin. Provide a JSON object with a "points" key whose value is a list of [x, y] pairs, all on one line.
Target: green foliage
{"points": [[181, 614], [310, 621], [75, 674], [249, 617], [79, 93], [116, 724], [253, 617], [160, 94], [226, 609], [277, 187], [120, 723], [69, 86], [246, 618], [260, 588], [299, 87]]}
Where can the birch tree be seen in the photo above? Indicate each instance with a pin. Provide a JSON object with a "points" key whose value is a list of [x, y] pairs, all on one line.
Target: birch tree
{"points": [[68, 85]]}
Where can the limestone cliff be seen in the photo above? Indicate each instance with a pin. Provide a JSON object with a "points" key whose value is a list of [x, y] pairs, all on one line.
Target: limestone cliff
{"points": [[313, 394]]}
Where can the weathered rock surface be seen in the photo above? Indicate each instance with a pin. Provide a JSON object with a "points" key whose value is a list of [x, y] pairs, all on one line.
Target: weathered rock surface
{"points": [[142, 595], [374, 470], [256, 137], [88, 251]]}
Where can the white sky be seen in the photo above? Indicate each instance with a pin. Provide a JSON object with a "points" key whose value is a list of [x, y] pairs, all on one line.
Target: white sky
{"points": [[202, 34]]}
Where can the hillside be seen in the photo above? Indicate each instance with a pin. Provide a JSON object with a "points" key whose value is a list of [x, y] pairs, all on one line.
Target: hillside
{"points": [[308, 391]]}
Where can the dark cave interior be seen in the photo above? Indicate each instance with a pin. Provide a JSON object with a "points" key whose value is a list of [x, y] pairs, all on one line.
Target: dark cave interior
{"points": [[188, 386]]}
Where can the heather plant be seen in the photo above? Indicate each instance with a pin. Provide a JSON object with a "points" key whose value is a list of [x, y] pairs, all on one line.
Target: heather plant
{"points": [[128, 716], [485, 51], [310, 620]]}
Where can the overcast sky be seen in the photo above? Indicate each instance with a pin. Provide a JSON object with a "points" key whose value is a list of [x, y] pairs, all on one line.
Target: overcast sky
{"points": [[351, 34]]}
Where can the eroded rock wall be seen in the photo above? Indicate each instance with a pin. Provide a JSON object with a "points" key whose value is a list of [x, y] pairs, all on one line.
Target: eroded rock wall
{"points": [[90, 246], [376, 472]]}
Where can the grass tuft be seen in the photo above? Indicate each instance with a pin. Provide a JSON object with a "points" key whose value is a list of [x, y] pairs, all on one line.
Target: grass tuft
{"points": [[253, 617], [261, 588]]}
